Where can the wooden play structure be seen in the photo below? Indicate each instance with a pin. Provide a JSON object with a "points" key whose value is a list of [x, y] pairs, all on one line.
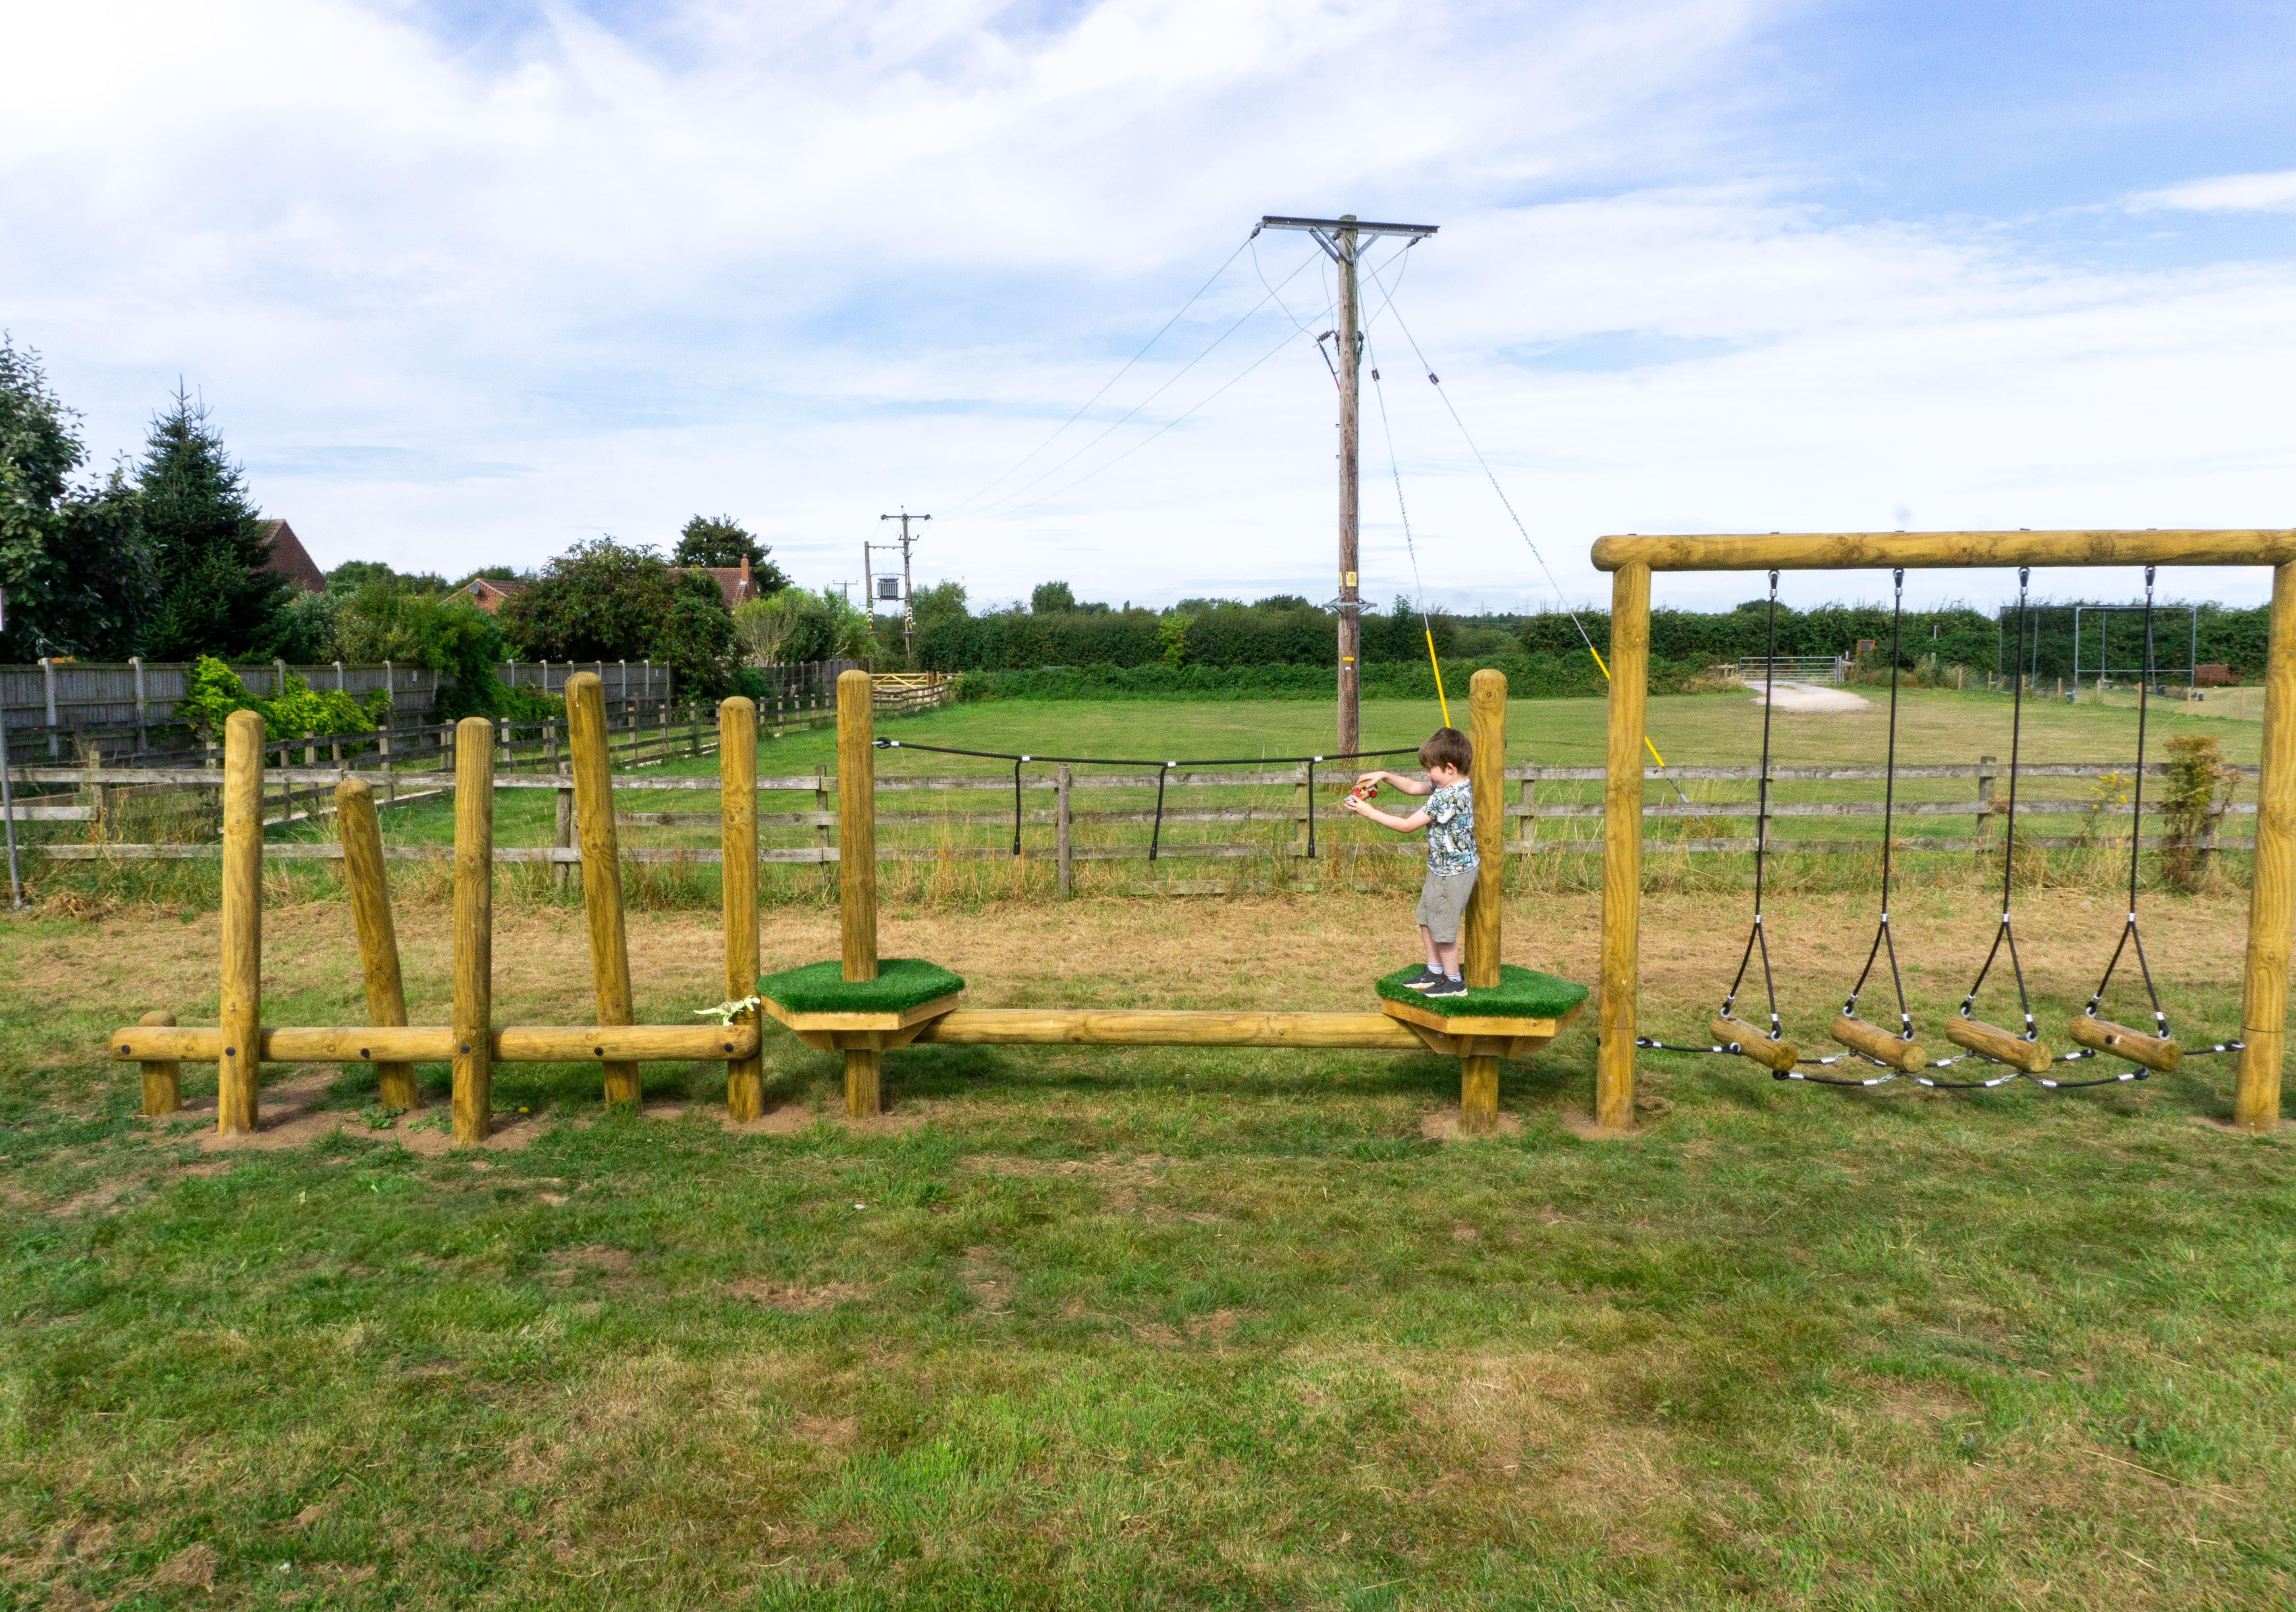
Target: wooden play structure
{"points": [[240, 1044], [2271, 900]]}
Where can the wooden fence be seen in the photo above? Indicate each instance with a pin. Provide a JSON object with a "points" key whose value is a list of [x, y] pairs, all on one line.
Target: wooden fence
{"points": [[1556, 810]]}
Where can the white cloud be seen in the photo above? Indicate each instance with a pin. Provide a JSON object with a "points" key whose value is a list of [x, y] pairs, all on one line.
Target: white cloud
{"points": [[461, 301], [2226, 193]]}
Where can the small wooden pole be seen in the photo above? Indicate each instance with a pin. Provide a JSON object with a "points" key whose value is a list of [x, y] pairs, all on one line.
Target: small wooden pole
{"points": [[239, 1072], [602, 867], [1623, 846], [163, 1077], [1487, 692], [856, 870], [2271, 893], [1060, 824], [378, 935], [474, 929], [825, 804], [562, 832], [1985, 776], [737, 803]]}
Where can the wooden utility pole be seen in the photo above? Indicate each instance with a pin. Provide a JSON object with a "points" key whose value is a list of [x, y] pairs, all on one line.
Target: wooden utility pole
{"points": [[909, 615], [1342, 240]]}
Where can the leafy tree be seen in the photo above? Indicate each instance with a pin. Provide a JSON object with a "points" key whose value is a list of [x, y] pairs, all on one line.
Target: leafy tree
{"points": [[607, 601], [307, 629], [72, 559], [721, 540], [795, 625], [355, 573], [213, 692], [216, 593], [1050, 596], [942, 602]]}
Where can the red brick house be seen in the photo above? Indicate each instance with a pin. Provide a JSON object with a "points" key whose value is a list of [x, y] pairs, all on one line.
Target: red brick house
{"points": [[487, 593], [284, 553]]}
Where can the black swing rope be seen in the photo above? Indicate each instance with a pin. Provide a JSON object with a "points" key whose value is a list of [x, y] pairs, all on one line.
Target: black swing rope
{"points": [[2131, 940], [1883, 940], [1756, 936], [2004, 936], [1164, 770]]}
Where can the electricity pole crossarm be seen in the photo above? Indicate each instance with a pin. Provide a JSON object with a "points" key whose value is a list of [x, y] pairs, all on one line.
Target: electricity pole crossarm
{"points": [[908, 615], [1342, 239]]}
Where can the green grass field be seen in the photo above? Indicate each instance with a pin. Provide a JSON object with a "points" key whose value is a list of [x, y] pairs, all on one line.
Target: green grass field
{"points": [[1159, 1329]]}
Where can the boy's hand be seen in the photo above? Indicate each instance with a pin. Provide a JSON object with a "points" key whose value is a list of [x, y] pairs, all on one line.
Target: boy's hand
{"points": [[1364, 778]]}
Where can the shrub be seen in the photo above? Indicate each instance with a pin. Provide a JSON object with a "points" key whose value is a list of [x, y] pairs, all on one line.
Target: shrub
{"points": [[213, 692]]}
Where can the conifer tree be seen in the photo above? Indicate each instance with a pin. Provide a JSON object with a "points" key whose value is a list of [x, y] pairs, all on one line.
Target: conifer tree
{"points": [[218, 596]]}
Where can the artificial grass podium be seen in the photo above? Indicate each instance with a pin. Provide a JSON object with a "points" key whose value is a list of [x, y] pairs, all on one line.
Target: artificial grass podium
{"points": [[1520, 994], [902, 983]]}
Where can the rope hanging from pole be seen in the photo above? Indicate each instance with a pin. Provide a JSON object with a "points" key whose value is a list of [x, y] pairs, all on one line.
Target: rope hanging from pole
{"points": [[1757, 938], [1884, 941]]}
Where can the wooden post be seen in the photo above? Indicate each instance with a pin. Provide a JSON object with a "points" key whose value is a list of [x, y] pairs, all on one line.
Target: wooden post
{"points": [[602, 867], [1479, 1076], [823, 805], [2272, 893], [1527, 825], [1061, 822], [737, 805], [239, 1072], [474, 929], [1301, 806], [163, 1077], [378, 935], [1985, 777], [563, 832], [856, 870], [1623, 846]]}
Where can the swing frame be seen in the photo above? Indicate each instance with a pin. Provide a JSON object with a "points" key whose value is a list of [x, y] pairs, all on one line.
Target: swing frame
{"points": [[1632, 558]]}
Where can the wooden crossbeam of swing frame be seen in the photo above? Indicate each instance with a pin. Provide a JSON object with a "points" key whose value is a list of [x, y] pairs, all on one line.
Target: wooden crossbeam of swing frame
{"points": [[2272, 895]]}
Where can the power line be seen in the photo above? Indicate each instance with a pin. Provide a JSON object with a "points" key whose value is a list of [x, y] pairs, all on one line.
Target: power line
{"points": [[1160, 429], [1112, 380], [1127, 414]]}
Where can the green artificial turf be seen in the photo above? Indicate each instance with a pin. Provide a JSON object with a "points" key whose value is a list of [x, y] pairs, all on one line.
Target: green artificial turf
{"points": [[1520, 993], [902, 983]]}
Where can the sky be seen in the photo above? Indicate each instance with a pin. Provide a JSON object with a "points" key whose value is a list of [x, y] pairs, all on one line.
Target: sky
{"points": [[462, 284]]}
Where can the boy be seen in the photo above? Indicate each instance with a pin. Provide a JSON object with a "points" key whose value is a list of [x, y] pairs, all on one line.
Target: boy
{"points": [[1450, 819]]}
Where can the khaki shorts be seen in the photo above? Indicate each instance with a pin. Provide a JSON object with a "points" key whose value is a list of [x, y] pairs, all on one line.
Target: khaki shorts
{"points": [[1442, 902]]}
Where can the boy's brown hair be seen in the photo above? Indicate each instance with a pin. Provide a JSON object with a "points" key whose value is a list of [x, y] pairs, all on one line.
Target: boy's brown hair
{"points": [[1446, 747]]}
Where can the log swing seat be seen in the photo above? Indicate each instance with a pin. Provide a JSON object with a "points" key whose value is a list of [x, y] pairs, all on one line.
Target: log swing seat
{"points": [[857, 1005]]}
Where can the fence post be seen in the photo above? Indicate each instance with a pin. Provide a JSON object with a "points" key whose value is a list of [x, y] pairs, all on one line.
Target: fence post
{"points": [[823, 805], [563, 836], [49, 677], [1061, 822], [857, 873], [163, 1077], [1984, 801], [475, 932], [602, 871], [239, 1074], [369, 883], [1301, 806], [1526, 832], [143, 718], [737, 809]]}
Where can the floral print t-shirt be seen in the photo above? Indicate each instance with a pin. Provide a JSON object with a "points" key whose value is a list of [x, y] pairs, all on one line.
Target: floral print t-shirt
{"points": [[1451, 830]]}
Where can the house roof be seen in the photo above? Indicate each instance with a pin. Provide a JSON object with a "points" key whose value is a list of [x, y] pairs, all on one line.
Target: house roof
{"points": [[284, 553], [733, 580]]}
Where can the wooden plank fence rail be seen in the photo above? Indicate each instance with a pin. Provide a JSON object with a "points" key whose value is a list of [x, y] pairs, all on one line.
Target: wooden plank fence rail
{"points": [[682, 736]]}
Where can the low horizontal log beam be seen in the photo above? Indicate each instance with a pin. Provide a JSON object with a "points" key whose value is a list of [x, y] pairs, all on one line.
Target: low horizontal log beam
{"points": [[1931, 550], [433, 1043], [1179, 1028]]}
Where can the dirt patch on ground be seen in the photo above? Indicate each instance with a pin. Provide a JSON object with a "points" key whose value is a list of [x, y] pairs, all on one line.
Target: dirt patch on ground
{"points": [[1809, 699], [796, 1300], [1442, 1125]]}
